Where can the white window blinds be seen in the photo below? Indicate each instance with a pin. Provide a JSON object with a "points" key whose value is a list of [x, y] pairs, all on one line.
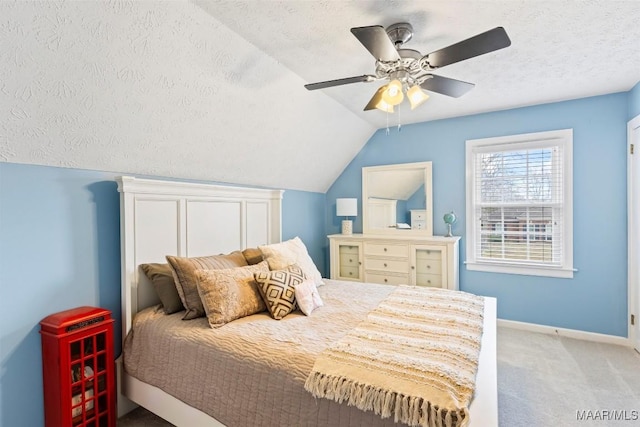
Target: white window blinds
{"points": [[520, 201]]}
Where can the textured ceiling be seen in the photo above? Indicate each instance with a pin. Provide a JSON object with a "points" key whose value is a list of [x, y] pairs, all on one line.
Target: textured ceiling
{"points": [[213, 90], [560, 49]]}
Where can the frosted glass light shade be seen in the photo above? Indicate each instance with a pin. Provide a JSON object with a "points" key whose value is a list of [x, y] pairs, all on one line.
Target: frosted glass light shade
{"points": [[382, 105], [392, 95], [416, 96], [379, 103], [346, 207]]}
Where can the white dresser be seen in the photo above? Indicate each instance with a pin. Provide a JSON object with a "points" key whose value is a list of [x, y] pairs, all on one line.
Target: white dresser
{"points": [[425, 261]]}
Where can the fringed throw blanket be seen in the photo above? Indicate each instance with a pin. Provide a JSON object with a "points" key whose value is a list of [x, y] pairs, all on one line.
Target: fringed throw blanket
{"points": [[414, 357]]}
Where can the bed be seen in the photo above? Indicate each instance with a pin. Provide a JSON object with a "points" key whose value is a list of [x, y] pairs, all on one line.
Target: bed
{"points": [[160, 218]]}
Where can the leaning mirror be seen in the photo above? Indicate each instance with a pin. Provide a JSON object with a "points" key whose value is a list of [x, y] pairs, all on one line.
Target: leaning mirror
{"points": [[397, 199]]}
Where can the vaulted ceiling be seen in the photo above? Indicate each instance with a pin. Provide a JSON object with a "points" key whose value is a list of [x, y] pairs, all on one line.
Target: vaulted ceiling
{"points": [[213, 90]]}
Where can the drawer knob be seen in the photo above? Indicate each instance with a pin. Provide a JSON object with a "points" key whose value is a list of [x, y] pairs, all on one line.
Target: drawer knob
{"points": [[359, 263], [385, 249], [429, 281], [413, 267], [385, 264], [350, 273], [385, 280], [428, 252], [428, 266], [350, 260]]}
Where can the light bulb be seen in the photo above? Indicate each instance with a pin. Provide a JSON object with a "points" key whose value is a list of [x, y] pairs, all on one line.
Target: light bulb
{"points": [[392, 95]]}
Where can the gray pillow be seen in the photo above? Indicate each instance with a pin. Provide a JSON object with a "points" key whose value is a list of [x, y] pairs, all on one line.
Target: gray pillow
{"points": [[252, 255], [162, 278]]}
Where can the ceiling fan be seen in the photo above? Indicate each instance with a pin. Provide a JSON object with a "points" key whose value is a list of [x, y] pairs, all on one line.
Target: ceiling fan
{"points": [[408, 70]]}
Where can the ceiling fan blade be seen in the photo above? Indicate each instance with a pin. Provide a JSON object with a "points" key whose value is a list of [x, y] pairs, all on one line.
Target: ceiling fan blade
{"points": [[377, 42], [446, 86], [338, 82], [475, 46]]}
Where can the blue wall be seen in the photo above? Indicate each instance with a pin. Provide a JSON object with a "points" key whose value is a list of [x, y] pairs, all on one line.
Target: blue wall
{"points": [[60, 248], [60, 245], [634, 101], [596, 298]]}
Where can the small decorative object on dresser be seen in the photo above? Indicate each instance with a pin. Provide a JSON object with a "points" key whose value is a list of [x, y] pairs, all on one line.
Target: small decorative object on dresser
{"points": [[347, 208], [78, 368], [449, 219], [418, 219]]}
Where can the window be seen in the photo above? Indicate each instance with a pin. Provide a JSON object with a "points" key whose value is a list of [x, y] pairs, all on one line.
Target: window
{"points": [[520, 204]]}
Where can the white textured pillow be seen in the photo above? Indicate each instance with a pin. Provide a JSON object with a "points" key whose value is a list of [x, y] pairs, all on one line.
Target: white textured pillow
{"points": [[307, 296], [281, 255]]}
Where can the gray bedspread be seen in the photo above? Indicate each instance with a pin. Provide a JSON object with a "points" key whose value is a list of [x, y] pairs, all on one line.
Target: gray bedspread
{"points": [[251, 372]]}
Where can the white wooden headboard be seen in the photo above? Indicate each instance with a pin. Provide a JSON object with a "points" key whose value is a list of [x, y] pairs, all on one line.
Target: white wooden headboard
{"points": [[159, 218]]}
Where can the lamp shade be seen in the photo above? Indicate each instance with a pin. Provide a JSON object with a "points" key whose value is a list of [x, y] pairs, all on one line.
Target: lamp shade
{"points": [[392, 95], [346, 207], [416, 96], [379, 103]]}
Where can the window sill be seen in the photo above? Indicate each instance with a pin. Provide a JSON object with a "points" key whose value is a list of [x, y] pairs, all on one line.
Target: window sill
{"points": [[527, 270]]}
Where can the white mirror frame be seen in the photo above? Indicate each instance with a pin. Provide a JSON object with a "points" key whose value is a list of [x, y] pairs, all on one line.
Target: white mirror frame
{"points": [[428, 230]]}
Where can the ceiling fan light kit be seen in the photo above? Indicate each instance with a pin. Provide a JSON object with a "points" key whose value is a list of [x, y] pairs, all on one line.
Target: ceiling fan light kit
{"points": [[416, 96], [377, 102], [407, 70], [392, 93]]}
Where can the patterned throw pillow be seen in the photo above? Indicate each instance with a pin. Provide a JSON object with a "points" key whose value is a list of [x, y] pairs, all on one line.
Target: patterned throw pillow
{"points": [[278, 289], [307, 297], [184, 272], [281, 255], [230, 294]]}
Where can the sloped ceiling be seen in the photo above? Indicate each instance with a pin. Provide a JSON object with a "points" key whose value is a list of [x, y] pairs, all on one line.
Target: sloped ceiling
{"points": [[395, 184], [213, 90]]}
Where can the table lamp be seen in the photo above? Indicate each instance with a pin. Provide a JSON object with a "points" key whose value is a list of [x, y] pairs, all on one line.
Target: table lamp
{"points": [[347, 208]]}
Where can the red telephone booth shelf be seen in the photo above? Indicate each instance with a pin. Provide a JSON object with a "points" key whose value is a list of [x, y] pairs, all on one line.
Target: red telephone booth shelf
{"points": [[78, 368]]}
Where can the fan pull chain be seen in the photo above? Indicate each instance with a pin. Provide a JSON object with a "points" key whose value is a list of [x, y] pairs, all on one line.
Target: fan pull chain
{"points": [[399, 121], [387, 122]]}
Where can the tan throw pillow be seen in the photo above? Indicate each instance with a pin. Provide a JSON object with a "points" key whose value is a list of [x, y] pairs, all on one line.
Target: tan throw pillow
{"points": [[184, 273], [307, 296], [281, 255], [278, 289], [252, 255], [161, 276], [230, 294]]}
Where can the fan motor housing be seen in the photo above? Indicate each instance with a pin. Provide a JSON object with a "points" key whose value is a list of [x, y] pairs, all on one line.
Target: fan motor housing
{"points": [[400, 33]]}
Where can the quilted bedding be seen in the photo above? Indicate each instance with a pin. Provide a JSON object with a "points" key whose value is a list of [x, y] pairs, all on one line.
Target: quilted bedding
{"points": [[252, 371]]}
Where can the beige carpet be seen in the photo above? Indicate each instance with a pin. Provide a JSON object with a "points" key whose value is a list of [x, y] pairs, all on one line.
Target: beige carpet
{"points": [[545, 380]]}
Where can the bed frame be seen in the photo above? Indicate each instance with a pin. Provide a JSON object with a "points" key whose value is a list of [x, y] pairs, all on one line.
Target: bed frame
{"points": [[159, 218]]}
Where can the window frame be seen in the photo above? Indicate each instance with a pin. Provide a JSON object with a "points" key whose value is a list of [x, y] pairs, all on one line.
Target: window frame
{"points": [[562, 138]]}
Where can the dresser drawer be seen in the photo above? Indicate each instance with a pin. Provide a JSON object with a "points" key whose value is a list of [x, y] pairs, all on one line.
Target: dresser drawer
{"points": [[391, 265], [418, 225], [428, 254], [349, 272], [348, 249], [349, 260], [387, 279], [432, 280], [418, 216], [383, 249], [428, 266]]}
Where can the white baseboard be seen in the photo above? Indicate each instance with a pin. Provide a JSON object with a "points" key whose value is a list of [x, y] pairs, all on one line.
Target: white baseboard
{"points": [[569, 333]]}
